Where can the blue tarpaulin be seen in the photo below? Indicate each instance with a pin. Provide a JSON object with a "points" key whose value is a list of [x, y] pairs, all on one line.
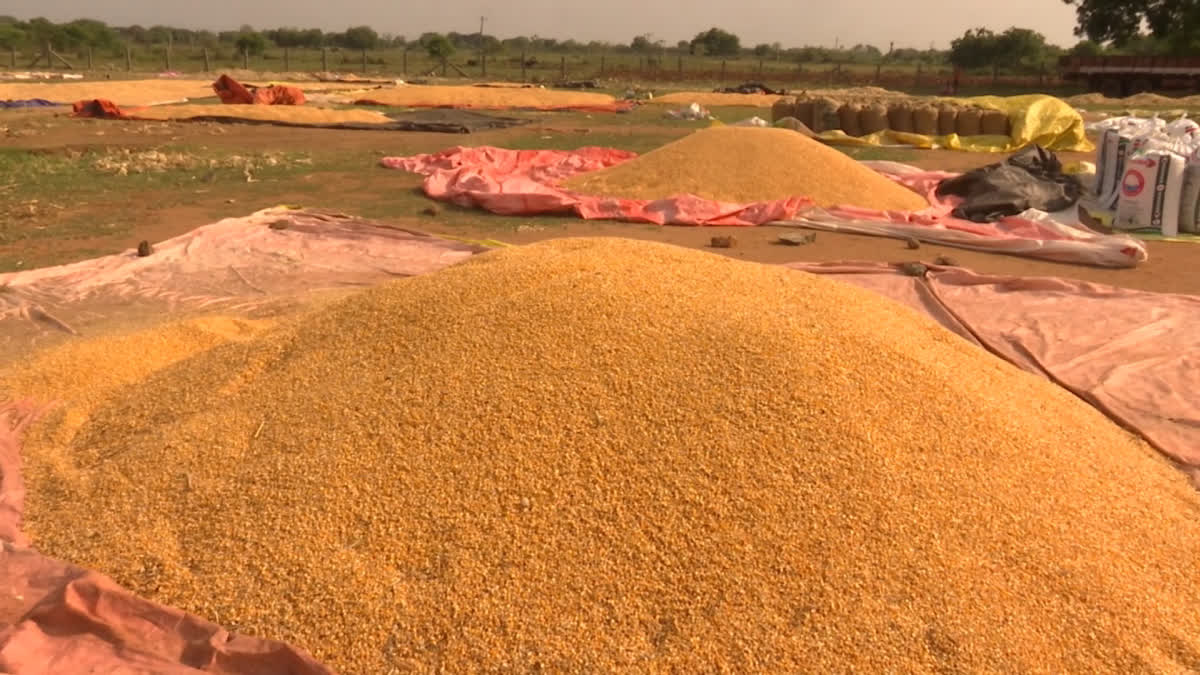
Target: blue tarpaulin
{"points": [[29, 103]]}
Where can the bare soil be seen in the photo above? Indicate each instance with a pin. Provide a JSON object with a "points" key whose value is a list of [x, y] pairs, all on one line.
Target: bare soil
{"points": [[345, 175]]}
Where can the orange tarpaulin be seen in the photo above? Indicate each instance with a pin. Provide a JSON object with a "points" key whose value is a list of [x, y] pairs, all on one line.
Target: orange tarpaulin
{"points": [[233, 92], [98, 108]]}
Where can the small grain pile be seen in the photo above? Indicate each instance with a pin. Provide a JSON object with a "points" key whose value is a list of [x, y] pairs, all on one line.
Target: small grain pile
{"points": [[479, 97], [295, 114], [745, 165], [590, 455], [715, 99], [121, 92]]}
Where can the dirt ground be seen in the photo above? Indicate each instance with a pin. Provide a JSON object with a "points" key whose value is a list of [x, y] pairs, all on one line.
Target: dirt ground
{"points": [[344, 174]]}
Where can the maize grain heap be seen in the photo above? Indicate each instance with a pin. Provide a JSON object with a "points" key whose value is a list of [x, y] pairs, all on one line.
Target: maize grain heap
{"points": [[306, 114], [745, 165], [589, 454]]}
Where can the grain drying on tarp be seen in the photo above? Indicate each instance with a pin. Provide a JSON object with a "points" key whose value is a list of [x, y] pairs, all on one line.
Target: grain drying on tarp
{"points": [[749, 164], [589, 454]]}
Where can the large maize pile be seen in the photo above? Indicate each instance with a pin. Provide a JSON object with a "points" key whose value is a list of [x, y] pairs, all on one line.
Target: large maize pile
{"points": [[745, 165], [596, 454]]}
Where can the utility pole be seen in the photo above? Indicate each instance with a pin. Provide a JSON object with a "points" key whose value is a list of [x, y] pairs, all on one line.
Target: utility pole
{"points": [[481, 57]]}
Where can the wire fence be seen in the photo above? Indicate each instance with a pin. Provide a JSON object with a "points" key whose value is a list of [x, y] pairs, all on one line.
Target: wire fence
{"points": [[539, 67]]}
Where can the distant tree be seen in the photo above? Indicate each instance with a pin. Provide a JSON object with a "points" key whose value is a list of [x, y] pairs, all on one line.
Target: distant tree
{"points": [[135, 34], [642, 44], [439, 48], [286, 37], [360, 37], [12, 37], [717, 42], [1016, 48], [861, 53], [312, 38], [492, 45], [977, 48], [1121, 21], [251, 43], [87, 33], [158, 35], [762, 51], [1021, 48], [206, 38], [516, 43]]}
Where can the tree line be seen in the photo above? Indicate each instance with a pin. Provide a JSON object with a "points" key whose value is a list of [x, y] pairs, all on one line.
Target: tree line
{"points": [[714, 42], [1103, 25]]}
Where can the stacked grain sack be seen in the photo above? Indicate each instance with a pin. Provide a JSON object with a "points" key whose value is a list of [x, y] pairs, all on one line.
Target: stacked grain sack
{"points": [[1149, 173], [863, 116]]}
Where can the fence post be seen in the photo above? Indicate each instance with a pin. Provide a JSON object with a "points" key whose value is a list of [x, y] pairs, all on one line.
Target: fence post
{"points": [[89, 58], [918, 81], [324, 59], [128, 58], [167, 57], [523, 61], [404, 62], [444, 61], [641, 64], [207, 65], [878, 68], [679, 63], [1042, 74], [723, 64], [562, 66], [245, 59], [601, 65], [287, 59]]}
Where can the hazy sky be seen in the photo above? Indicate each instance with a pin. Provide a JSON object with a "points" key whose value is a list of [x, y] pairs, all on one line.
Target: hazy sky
{"points": [[911, 23]]}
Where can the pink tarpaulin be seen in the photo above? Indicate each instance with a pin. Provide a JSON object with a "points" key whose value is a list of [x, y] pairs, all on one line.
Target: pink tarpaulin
{"points": [[240, 265], [1131, 354], [527, 182]]}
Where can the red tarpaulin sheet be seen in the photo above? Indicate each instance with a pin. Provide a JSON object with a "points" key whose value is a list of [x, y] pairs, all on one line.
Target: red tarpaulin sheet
{"points": [[527, 182], [1131, 354], [230, 91]]}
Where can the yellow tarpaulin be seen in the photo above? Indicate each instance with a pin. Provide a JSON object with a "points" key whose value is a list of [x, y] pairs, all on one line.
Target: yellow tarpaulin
{"points": [[1045, 120]]}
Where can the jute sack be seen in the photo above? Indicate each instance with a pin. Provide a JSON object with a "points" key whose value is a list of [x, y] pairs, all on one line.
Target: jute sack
{"points": [[900, 117], [925, 120], [967, 123], [849, 115], [825, 115], [994, 123], [803, 111], [873, 118], [947, 119], [784, 107]]}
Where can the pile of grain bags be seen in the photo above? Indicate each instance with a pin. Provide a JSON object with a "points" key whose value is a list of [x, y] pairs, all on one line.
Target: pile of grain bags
{"points": [[1149, 173], [861, 116]]}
